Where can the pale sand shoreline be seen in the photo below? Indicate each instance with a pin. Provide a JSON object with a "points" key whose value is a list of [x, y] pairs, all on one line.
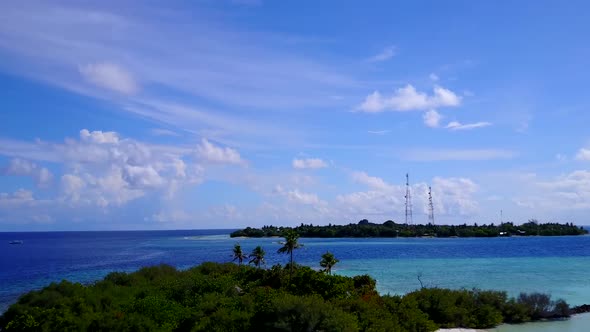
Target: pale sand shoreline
{"points": [[577, 323]]}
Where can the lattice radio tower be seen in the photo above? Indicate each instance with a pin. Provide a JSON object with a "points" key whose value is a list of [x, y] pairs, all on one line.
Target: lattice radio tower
{"points": [[408, 201], [430, 206]]}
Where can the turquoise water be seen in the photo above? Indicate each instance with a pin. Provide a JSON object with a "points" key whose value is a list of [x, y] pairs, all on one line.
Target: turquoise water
{"points": [[578, 323], [562, 277], [556, 265]]}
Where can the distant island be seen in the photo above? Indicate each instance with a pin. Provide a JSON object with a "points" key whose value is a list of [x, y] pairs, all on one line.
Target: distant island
{"points": [[364, 228]]}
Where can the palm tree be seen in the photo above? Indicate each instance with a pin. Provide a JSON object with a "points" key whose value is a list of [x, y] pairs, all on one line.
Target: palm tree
{"points": [[328, 261], [290, 244], [257, 256], [239, 254]]}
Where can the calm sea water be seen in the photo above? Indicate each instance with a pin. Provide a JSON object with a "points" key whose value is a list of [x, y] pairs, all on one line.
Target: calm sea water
{"points": [[557, 265]]}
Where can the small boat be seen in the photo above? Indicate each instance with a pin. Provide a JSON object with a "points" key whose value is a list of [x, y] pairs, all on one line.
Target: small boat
{"points": [[16, 242]]}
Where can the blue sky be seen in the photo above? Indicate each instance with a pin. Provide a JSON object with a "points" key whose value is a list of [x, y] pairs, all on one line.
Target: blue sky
{"points": [[222, 114]]}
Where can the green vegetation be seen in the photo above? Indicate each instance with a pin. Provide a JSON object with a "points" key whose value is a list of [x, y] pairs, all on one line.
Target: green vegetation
{"points": [[257, 256], [239, 254], [289, 245], [391, 229], [228, 297], [328, 261]]}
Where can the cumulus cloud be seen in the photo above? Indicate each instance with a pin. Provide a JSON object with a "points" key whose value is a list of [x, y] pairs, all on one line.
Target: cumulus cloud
{"points": [[387, 53], [71, 186], [303, 198], [583, 154], [452, 197], [432, 118], [20, 167], [455, 125], [110, 76], [216, 154], [409, 99], [310, 163], [370, 181], [103, 169], [100, 137], [297, 196], [19, 196], [565, 192]]}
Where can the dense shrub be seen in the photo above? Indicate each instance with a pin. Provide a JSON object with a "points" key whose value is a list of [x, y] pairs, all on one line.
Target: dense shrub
{"points": [[225, 297]]}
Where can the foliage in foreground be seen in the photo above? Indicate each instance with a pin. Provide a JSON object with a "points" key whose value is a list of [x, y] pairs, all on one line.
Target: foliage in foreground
{"points": [[228, 297], [364, 228]]}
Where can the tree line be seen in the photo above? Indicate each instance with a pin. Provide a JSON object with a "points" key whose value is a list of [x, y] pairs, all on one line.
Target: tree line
{"points": [[364, 228]]}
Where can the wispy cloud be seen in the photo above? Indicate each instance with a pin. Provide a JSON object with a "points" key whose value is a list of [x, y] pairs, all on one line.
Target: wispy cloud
{"points": [[456, 125], [311, 163], [163, 132], [386, 54], [110, 76], [101, 51]]}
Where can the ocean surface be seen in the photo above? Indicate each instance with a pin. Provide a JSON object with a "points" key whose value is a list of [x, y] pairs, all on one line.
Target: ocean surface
{"points": [[556, 265]]}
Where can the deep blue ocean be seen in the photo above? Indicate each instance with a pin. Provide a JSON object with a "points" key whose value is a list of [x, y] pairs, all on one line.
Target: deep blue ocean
{"points": [[558, 265]]}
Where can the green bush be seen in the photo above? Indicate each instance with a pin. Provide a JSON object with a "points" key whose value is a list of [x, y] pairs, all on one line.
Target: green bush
{"points": [[226, 297]]}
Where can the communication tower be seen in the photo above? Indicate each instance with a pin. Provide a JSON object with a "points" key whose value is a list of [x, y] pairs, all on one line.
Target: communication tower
{"points": [[430, 206], [408, 201]]}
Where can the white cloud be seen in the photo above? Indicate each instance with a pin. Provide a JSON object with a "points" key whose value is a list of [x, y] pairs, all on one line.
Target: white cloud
{"points": [[216, 154], [409, 99], [19, 196], [456, 154], [20, 167], [432, 118], [310, 163], [387, 53], [563, 193], [297, 196], [370, 181], [303, 198], [100, 137], [583, 154], [110, 76], [142, 176], [455, 125], [452, 197], [433, 77], [72, 186], [102, 169]]}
